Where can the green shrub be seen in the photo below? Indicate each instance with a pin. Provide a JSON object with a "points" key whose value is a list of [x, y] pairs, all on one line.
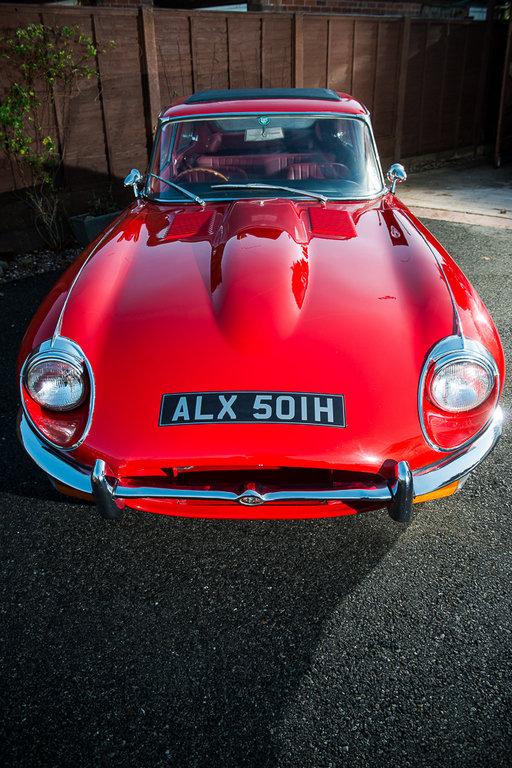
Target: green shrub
{"points": [[47, 66]]}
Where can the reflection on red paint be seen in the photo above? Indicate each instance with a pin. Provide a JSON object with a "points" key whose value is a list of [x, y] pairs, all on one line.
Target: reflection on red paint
{"points": [[396, 233], [300, 276]]}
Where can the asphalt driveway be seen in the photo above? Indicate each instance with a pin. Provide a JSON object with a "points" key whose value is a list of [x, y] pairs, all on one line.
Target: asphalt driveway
{"points": [[163, 642]]}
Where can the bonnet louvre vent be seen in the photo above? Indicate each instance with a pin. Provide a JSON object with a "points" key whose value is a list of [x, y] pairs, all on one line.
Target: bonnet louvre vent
{"points": [[187, 225], [335, 224]]}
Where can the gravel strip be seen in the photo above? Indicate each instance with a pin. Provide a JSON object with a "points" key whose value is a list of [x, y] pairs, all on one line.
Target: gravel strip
{"points": [[36, 263]]}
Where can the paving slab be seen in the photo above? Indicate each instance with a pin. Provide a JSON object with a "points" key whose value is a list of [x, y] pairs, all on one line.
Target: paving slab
{"points": [[477, 194]]}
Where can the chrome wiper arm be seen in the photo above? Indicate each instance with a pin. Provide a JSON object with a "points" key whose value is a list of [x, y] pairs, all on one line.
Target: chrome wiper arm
{"points": [[302, 192], [185, 192]]}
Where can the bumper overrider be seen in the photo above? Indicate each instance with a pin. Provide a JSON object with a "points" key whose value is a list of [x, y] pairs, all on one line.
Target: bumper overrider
{"points": [[398, 492]]}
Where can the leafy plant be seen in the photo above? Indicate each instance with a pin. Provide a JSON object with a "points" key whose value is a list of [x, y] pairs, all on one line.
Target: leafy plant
{"points": [[47, 65]]}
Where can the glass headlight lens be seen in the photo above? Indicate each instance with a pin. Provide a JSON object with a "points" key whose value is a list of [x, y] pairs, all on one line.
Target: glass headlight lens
{"points": [[56, 384], [461, 385]]}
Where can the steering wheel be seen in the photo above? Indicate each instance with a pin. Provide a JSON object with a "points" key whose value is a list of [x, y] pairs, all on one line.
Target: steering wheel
{"points": [[189, 171], [340, 168]]}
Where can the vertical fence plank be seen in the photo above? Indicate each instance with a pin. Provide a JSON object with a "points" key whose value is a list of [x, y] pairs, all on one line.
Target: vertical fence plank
{"points": [[376, 59], [228, 62], [414, 78], [446, 36], [56, 120], [423, 81], [478, 129], [353, 56], [121, 83], [341, 53], [365, 42], [265, 65], [244, 40], [78, 119], [454, 80], [150, 76], [298, 50], [385, 92], [209, 51], [172, 39], [433, 69], [461, 89], [315, 50], [277, 50], [503, 128], [191, 48], [475, 62], [328, 53], [262, 32], [101, 102]]}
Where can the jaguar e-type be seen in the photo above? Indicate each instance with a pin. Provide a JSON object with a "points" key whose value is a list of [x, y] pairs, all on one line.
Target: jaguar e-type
{"points": [[266, 332]]}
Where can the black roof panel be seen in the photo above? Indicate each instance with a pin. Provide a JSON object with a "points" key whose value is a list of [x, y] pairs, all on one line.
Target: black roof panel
{"points": [[246, 94]]}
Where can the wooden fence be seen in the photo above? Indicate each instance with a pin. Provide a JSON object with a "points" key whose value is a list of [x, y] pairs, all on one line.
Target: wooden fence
{"points": [[425, 82], [503, 144]]}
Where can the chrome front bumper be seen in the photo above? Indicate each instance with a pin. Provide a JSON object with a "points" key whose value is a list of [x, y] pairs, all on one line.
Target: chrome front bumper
{"points": [[398, 492]]}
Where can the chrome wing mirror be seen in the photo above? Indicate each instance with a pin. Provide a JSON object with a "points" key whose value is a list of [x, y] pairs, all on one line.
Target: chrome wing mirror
{"points": [[133, 180], [396, 175]]}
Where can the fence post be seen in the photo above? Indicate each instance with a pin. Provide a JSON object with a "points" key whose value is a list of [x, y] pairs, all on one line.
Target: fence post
{"points": [[478, 127], [503, 95], [402, 81], [150, 79], [107, 139], [298, 50]]}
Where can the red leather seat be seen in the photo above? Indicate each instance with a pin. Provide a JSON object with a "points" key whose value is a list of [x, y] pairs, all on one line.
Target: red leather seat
{"points": [[304, 171], [265, 164], [248, 162], [279, 164]]}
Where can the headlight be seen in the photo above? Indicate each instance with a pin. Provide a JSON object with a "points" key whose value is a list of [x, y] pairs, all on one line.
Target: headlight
{"points": [[56, 384], [461, 385]]}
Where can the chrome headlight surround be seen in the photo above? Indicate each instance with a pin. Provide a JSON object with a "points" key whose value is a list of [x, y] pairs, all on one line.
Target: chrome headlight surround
{"points": [[62, 349], [454, 349]]}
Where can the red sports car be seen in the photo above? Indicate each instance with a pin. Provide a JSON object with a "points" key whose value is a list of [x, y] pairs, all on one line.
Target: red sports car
{"points": [[266, 332]]}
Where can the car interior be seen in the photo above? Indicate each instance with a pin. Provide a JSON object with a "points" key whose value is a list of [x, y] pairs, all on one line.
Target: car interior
{"points": [[209, 151]]}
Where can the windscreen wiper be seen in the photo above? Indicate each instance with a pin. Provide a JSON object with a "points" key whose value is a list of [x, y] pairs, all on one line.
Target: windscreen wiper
{"points": [[256, 185], [185, 192]]}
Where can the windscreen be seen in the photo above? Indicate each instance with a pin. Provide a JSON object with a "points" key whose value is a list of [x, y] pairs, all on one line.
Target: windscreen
{"points": [[329, 155]]}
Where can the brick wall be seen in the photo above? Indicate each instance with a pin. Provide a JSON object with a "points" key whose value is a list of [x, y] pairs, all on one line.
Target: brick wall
{"points": [[359, 7]]}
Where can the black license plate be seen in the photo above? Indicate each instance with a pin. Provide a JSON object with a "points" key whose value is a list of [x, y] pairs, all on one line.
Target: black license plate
{"points": [[252, 408]]}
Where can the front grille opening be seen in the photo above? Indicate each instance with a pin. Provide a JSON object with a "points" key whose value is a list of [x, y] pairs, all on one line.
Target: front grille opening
{"points": [[268, 480]]}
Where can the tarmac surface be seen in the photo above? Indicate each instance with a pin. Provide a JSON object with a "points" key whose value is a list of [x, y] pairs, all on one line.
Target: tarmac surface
{"points": [[163, 642]]}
